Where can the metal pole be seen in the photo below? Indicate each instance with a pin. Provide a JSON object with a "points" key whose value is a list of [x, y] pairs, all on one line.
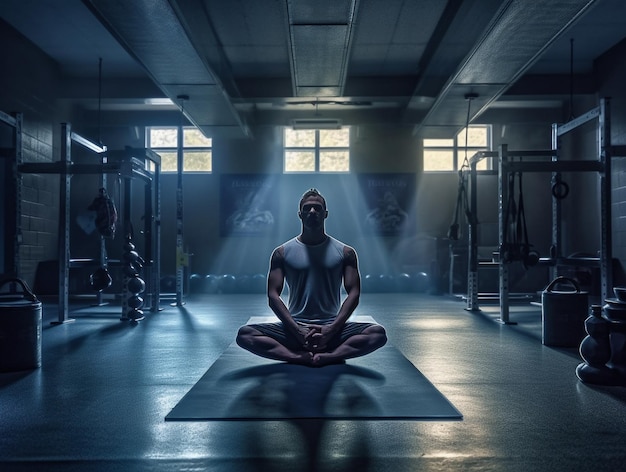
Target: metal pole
{"points": [[128, 233], [503, 267], [472, 273], [103, 250], [180, 269], [156, 269], [64, 224], [604, 153], [556, 249]]}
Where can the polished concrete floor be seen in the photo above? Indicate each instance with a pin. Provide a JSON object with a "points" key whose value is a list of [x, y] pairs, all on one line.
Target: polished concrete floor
{"points": [[99, 400]]}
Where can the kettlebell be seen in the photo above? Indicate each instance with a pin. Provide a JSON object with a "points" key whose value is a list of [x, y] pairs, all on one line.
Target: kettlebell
{"points": [[100, 279]]}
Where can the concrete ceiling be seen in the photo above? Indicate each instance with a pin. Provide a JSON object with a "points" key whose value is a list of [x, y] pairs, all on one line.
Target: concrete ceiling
{"points": [[241, 63]]}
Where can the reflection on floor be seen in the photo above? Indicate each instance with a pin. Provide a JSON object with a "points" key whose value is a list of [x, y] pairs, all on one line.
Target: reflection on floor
{"points": [[99, 400]]}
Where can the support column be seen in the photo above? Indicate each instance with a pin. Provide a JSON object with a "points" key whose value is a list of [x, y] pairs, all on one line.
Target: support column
{"points": [[472, 272], [180, 268], [64, 223], [604, 152], [503, 267]]}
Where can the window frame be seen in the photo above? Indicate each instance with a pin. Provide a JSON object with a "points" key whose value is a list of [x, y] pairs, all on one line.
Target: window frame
{"points": [[317, 149], [174, 149], [458, 150]]}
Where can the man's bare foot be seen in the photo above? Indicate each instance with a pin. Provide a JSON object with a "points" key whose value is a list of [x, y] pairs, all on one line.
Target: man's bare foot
{"points": [[322, 359], [302, 358]]}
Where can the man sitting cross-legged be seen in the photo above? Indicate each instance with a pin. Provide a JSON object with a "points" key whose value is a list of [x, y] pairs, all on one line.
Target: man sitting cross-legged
{"points": [[314, 330]]}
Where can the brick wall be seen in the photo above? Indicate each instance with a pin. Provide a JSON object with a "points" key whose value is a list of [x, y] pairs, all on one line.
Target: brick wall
{"points": [[29, 85], [40, 209], [612, 75], [618, 211]]}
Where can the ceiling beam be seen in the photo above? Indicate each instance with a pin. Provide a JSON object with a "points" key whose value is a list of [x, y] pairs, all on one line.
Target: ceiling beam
{"points": [[157, 33], [519, 33], [320, 35]]}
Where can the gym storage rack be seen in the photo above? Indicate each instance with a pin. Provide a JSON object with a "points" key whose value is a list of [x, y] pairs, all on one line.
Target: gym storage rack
{"points": [[549, 161], [130, 164]]}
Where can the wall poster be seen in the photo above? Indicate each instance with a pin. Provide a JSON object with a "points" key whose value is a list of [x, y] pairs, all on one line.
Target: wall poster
{"points": [[389, 202], [248, 204]]}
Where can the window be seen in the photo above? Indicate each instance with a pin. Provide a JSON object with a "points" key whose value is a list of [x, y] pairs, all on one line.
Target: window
{"points": [[317, 150], [197, 149], [449, 154]]}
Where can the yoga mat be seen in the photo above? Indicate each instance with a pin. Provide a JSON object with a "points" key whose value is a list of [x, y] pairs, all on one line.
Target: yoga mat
{"points": [[382, 385]]}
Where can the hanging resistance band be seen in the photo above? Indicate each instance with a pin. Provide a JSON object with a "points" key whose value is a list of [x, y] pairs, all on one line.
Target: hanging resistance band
{"points": [[462, 204], [507, 251], [462, 207], [517, 249]]}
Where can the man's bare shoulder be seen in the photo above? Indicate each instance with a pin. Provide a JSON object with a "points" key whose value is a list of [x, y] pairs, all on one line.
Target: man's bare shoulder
{"points": [[349, 255], [278, 257]]}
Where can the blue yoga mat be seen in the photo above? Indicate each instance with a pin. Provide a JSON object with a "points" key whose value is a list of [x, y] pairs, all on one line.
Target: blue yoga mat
{"points": [[383, 385]]}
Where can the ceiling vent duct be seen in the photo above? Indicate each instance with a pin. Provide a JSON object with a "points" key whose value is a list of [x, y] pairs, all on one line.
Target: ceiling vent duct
{"points": [[316, 123]]}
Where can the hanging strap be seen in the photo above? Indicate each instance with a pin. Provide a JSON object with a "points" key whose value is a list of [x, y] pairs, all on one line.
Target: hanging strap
{"points": [[510, 213], [529, 257], [522, 230], [461, 199], [461, 207]]}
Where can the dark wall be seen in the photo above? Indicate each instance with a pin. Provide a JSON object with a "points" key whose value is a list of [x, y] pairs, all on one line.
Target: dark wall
{"points": [[32, 85], [612, 75], [29, 84], [213, 252], [378, 150]]}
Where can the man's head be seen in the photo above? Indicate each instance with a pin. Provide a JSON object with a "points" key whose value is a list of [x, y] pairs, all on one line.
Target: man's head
{"points": [[312, 192], [312, 209]]}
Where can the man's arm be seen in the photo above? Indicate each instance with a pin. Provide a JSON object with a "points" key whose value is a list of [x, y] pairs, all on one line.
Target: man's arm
{"points": [[275, 282], [352, 284]]}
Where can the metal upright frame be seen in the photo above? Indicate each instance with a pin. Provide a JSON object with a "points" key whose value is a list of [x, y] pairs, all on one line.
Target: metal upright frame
{"points": [[145, 164], [180, 268], [131, 164], [473, 264], [601, 165], [605, 153]]}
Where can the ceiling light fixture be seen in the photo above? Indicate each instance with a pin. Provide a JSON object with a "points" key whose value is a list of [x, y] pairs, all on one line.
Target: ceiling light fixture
{"points": [[158, 102], [316, 123]]}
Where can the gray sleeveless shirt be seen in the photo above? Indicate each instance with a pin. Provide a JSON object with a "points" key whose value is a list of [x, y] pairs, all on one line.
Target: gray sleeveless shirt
{"points": [[314, 275]]}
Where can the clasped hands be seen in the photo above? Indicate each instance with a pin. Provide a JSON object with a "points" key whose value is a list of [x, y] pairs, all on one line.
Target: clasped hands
{"points": [[314, 337]]}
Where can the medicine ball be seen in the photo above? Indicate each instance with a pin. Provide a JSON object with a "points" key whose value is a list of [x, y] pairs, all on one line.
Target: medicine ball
{"points": [[227, 283], [368, 283], [244, 284], [135, 314], [211, 283], [258, 283], [135, 301], [136, 285], [404, 282], [195, 283], [421, 282], [385, 283]]}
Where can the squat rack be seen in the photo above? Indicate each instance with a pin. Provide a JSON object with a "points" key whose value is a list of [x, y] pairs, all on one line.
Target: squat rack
{"points": [[601, 165], [473, 264], [130, 163]]}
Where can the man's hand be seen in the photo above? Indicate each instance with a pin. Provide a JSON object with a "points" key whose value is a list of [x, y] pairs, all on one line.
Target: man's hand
{"points": [[318, 337], [302, 333]]}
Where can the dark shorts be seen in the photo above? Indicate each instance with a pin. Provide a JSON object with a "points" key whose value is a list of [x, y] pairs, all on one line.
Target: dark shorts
{"points": [[276, 331]]}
